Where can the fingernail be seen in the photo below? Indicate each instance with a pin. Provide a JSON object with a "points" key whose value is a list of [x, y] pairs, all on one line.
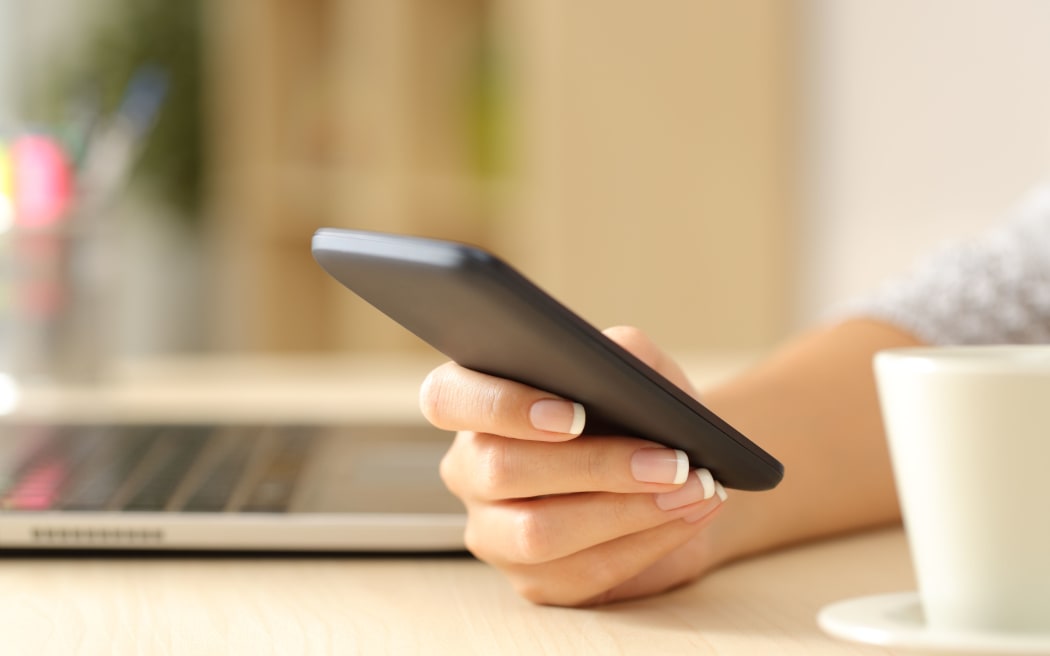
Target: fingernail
{"points": [[692, 492], [652, 465], [556, 416], [705, 509], [707, 481]]}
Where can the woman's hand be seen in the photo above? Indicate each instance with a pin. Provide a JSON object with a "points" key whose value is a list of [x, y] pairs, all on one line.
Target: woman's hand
{"points": [[570, 520]]}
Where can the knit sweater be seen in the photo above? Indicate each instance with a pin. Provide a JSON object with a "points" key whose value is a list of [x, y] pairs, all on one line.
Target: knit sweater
{"points": [[992, 290]]}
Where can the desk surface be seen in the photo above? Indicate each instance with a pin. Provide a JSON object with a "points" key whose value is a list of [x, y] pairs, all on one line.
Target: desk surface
{"points": [[351, 605], [379, 605]]}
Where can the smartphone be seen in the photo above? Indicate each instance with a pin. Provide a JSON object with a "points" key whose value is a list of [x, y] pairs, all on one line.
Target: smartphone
{"points": [[480, 312]]}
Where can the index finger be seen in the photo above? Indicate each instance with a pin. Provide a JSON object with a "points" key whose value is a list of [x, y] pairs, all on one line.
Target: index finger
{"points": [[459, 399]]}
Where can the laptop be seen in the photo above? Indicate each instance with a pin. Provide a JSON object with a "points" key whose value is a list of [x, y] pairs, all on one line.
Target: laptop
{"points": [[225, 485]]}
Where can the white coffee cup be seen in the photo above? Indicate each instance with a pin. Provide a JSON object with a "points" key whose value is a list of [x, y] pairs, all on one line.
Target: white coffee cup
{"points": [[969, 435]]}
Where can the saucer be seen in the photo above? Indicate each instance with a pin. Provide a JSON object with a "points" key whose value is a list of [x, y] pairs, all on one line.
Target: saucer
{"points": [[896, 620]]}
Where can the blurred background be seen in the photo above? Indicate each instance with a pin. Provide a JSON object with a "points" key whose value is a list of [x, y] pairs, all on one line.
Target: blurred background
{"points": [[718, 173]]}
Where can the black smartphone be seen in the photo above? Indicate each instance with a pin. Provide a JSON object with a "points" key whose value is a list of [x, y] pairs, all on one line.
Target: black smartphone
{"points": [[481, 313]]}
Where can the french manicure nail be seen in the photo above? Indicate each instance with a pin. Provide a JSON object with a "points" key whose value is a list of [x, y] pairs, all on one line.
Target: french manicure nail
{"points": [[557, 416], [707, 481], [653, 465], [705, 509], [692, 492], [700, 487]]}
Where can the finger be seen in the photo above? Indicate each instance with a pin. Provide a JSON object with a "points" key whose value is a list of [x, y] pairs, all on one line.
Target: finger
{"points": [[480, 466], [682, 564], [588, 576], [455, 398], [542, 530], [642, 347]]}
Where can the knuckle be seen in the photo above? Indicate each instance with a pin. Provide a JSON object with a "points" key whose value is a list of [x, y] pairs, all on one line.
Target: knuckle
{"points": [[532, 538], [604, 572], [595, 466], [620, 509], [491, 466], [493, 405]]}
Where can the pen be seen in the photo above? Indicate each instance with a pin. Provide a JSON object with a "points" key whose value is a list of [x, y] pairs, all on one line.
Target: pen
{"points": [[111, 153]]}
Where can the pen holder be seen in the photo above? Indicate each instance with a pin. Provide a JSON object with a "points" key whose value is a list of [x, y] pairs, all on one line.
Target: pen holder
{"points": [[55, 275], [55, 304]]}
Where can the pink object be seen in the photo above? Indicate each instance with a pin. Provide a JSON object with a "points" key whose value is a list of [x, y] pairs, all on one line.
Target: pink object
{"points": [[42, 181]]}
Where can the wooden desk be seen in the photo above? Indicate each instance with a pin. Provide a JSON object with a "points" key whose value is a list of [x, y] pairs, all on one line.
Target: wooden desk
{"points": [[382, 605], [364, 605]]}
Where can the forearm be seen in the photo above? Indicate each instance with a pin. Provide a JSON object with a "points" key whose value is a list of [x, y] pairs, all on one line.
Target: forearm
{"points": [[813, 406]]}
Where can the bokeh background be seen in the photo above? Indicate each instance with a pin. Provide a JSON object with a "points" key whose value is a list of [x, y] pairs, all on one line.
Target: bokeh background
{"points": [[719, 173]]}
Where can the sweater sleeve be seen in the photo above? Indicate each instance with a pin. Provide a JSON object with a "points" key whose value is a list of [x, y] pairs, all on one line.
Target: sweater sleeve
{"points": [[993, 290]]}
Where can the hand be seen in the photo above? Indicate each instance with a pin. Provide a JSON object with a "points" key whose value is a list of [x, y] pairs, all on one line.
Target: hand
{"points": [[570, 520]]}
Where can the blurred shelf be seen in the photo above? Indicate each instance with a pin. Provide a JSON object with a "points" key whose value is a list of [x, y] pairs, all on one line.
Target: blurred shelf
{"points": [[647, 184]]}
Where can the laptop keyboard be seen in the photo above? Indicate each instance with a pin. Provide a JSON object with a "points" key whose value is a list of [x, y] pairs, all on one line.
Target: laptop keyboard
{"points": [[151, 468]]}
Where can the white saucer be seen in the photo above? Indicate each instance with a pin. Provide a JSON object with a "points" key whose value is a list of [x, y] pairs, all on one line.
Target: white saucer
{"points": [[896, 620]]}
